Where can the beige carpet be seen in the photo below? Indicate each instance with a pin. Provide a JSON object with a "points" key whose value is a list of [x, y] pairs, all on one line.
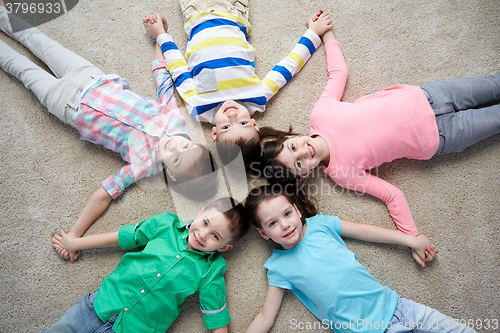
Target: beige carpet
{"points": [[48, 173]]}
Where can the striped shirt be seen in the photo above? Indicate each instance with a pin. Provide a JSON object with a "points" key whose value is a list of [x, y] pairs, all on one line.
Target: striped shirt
{"points": [[132, 125], [220, 65]]}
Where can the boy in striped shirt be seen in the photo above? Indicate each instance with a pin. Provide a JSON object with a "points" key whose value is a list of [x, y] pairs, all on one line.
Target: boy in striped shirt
{"points": [[216, 78]]}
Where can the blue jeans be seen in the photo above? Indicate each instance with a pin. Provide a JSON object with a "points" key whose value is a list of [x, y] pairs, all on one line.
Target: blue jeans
{"points": [[417, 318], [463, 109], [82, 318]]}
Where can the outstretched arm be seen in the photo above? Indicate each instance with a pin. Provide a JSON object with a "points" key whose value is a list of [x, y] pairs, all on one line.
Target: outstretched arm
{"points": [[265, 319], [283, 72], [97, 204], [220, 330], [73, 244], [422, 248]]}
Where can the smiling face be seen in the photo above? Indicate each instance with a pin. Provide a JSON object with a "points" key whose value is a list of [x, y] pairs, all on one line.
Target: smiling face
{"points": [[280, 221], [301, 154], [233, 121], [209, 232], [178, 154]]}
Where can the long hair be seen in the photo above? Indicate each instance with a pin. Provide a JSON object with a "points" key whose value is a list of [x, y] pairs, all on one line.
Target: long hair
{"points": [[199, 182], [294, 195], [271, 168]]}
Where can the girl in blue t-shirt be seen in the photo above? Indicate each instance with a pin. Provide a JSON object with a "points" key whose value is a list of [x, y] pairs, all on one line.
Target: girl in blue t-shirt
{"points": [[316, 265]]}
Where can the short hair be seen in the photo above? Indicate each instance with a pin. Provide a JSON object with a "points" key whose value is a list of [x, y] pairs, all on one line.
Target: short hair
{"points": [[250, 151], [199, 182], [234, 211]]}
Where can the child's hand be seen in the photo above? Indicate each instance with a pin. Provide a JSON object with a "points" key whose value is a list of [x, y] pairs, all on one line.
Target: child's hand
{"points": [[320, 23], [423, 250], [155, 24], [63, 245]]}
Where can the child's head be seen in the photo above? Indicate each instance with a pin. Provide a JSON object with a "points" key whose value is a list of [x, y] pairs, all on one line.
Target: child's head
{"points": [[218, 226], [279, 212], [189, 167], [287, 157], [233, 124]]}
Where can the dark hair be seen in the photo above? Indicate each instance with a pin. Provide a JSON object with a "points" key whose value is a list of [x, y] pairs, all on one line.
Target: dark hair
{"points": [[275, 171], [235, 212], [199, 182], [293, 194], [250, 151]]}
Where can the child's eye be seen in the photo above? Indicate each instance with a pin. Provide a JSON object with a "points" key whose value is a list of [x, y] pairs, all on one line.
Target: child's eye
{"points": [[287, 214], [272, 223], [244, 122], [176, 159], [205, 222], [216, 237], [299, 164], [186, 146], [293, 147], [225, 127]]}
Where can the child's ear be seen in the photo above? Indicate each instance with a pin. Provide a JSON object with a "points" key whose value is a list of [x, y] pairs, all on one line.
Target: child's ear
{"points": [[255, 125], [170, 174], [297, 210], [304, 177], [201, 211], [214, 134], [263, 234], [225, 248]]}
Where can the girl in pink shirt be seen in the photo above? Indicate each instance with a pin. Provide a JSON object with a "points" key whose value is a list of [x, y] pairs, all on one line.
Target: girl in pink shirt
{"points": [[349, 139]]}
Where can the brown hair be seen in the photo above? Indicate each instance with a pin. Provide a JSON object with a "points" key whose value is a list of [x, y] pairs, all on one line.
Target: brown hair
{"points": [[199, 182], [235, 212], [275, 171], [293, 194], [250, 151]]}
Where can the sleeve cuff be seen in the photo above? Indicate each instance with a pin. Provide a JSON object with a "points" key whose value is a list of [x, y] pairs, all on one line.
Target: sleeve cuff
{"points": [[217, 318], [111, 187], [126, 237], [315, 39], [163, 38]]}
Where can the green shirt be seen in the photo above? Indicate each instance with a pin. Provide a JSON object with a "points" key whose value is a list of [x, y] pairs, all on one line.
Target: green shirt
{"points": [[148, 287]]}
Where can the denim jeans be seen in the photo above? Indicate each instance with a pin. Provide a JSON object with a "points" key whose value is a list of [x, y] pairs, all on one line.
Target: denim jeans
{"points": [[82, 318], [463, 109], [417, 318], [60, 94]]}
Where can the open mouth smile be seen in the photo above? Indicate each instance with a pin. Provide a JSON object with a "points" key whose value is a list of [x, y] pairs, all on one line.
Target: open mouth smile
{"points": [[289, 233], [311, 150], [197, 241]]}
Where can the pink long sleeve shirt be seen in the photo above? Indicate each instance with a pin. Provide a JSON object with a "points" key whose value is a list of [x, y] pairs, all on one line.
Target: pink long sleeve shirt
{"points": [[394, 123]]}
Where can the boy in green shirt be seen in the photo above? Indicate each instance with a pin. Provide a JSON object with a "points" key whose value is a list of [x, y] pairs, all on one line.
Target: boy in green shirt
{"points": [[146, 291]]}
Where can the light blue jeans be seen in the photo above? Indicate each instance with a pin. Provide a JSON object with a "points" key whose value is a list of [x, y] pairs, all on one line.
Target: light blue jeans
{"points": [[82, 318], [59, 93], [417, 318], [464, 114]]}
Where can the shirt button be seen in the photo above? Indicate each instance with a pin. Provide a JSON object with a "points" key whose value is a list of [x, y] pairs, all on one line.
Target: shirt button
{"points": [[183, 237], [177, 256], [142, 291], [126, 309], [158, 275]]}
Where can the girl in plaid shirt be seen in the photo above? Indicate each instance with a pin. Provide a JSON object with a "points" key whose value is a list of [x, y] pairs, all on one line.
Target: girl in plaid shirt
{"points": [[149, 134]]}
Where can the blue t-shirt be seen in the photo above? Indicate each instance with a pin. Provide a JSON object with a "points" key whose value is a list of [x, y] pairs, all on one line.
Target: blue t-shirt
{"points": [[328, 279]]}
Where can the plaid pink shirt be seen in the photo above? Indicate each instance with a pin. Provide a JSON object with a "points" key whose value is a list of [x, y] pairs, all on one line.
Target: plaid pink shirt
{"points": [[132, 125]]}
